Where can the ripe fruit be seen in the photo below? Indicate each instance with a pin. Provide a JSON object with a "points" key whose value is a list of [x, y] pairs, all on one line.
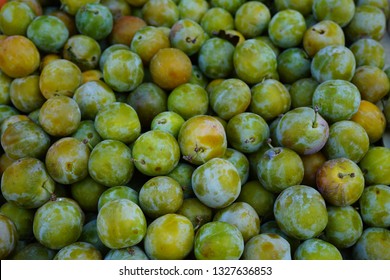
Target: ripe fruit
{"points": [[78, 251], [317, 249], [8, 238], [267, 246], [375, 166], [374, 244], [374, 205]]}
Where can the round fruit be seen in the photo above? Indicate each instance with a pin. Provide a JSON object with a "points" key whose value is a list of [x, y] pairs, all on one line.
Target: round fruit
{"points": [[375, 166], [120, 224], [374, 244], [78, 251], [8, 238], [317, 249], [130, 253], [58, 223], [341, 12], [198, 213], [297, 221], [169, 237], [117, 192], [374, 205], [252, 18], [218, 241], [216, 183], [267, 246]]}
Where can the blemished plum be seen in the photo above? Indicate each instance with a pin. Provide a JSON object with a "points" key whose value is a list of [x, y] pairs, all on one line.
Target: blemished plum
{"points": [[317, 249], [121, 224], [168, 121], [169, 237], [27, 183], [110, 163], [58, 223], [241, 215], [374, 244], [345, 226], [267, 246], [374, 205], [216, 183], [297, 221], [340, 181], [160, 195], [218, 241]]}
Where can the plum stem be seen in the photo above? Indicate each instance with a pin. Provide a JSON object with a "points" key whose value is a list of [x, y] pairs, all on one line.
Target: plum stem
{"points": [[315, 123], [342, 175]]}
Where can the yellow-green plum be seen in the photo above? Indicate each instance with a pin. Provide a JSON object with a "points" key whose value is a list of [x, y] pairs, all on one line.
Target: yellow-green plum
{"points": [[368, 51], [156, 152], [375, 206], [58, 223], [78, 251], [34, 251], [130, 253], [90, 235], [27, 183], [267, 246], [21, 217], [160, 195], [240, 161], [121, 224], [341, 12], [169, 237], [87, 193], [375, 166], [345, 226], [241, 215], [300, 212], [202, 138], [317, 249], [218, 241], [216, 183], [8, 237], [198, 213], [374, 244], [118, 192], [182, 173], [168, 121], [303, 130], [340, 181]]}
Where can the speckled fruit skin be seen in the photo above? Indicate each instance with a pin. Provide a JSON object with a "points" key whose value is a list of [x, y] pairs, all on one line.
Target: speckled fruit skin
{"points": [[322, 34], [123, 70], [279, 168], [202, 138], [155, 153], [317, 249], [368, 52], [375, 166], [340, 181], [341, 12], [375, 206], [78, 251], [25, 139], [374, 244], [198, 213], [72, 6], [345, 226], [21, 217], [34, 251], [8, 237], [246, 132], [168, 121], [130, 253], [216, 19], [302, 130], [117, 192], [169, 237], [218, 241], [241, 215], [347, 139], [118, 121], [336, 100], [216, 183], [58, 223], [120, 224], [87, 133], [269, 99], [300, 212], [252, 19], [240, 161], [67, 160], [110, 163], [267, 246], [160, 195], [27, 183], [253, 61]]}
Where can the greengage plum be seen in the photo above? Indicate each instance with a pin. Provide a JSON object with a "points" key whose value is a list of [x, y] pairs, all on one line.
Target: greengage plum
{"points": [[267, 246], [293, 64], [110, 163], [78, 251], [131, 253], [216, 183], [21, 217], [302, 6], [202, 138], [90, 235], [375, 166], [169, 237], [25, 95], [218, 241], [160, 195], [301, 92], [374, 206], [34, 251], [160, 12], [15, 17], [317, 249], [341, 12], [125, 28], [117, 192], [300, 212], [87, 133], [121, 224], [117, 8], [182, 173], [198, 213], [193, 9], [8, 237], [368, 51], [311, 163], [58, 223], [240, 161], [27, 183], [87, 192], [374, 244], [216, 19], [72, 6], [168, 121]]}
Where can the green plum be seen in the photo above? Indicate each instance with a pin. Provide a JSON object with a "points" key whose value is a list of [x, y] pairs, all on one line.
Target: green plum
{"points": [[341, 12], [58, 223], [78, 251], [130, 253], [267, 246], [34, 251], [8, 237], [374, 206], [21, 217], [198, 213], [87, 133], [168, 121], [110, 163], [252, 18], [87, 193], [240, 161], [118, 192], [375, 166], [374, 244], [218, 241], [216, 19], [90, 235], [182, 173], [368, 51], [297, 221], [317, 249], [301, 92], [293, 64]]}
